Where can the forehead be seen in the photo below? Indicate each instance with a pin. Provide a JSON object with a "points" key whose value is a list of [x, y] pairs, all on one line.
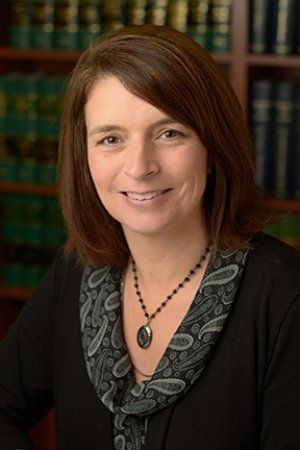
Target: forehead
{"points": [[109, 100]]}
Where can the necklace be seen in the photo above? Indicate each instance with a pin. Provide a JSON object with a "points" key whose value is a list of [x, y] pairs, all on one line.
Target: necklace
{"points": [[145, 333]]}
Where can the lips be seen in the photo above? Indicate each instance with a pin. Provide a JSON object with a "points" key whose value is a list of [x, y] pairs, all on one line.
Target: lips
{"points": [[144, 196]]}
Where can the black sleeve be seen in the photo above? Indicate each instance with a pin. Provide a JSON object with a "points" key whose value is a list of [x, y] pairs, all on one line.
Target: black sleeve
{"points": [[26, 367], [281, 403]]}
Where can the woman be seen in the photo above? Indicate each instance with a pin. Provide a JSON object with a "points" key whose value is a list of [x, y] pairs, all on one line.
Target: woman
{"points": [[170, 322]]}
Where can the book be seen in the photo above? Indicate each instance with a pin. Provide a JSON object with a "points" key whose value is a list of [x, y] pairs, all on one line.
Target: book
{"points": [[8, 161], [136, 12], [66, 17], [261, 117], [90, 22], [19, 24], [260, 25], [42, 24], [284, 27], [220, 19], [177, 14], [198, 22], [113, 14], [156, 12], [282, 144]]}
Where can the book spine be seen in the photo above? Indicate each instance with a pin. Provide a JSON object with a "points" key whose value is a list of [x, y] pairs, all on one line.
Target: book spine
{"points": [[8, 162], [113, 14], [136, 12], [198, 22], [260, 26], [66, 16], [19, 24], [42, 13], [284, 27], [220, 18], [90, 22], [261, 111], [157, 12], [177, 14], [284, 112]]}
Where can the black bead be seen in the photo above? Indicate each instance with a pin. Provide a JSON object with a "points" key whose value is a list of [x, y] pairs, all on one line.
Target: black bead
{"points": [[158, 309], [174, 291], [198, 265], [147, 315], [143, 306], [169, 297], [141, 300], [192, 272], [138, 293], [151, 316], [164, 303], [187, 279], [180, 285]]}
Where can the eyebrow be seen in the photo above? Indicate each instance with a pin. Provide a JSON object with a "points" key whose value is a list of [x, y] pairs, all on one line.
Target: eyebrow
{"points": [[104, 128]]}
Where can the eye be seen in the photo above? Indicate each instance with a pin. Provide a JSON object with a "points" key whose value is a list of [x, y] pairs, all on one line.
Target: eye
{"points": [[171, 134], [109, 140]]}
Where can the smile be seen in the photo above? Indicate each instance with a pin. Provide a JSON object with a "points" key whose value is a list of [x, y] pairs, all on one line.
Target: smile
{"points": [[144, 196]]}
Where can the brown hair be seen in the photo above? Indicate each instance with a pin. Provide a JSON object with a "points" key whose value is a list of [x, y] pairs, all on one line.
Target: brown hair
{"points": [[173, 73]]}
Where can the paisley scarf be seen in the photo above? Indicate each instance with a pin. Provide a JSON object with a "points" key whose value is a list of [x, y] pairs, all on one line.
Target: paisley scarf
{"points": [[108, 362]]}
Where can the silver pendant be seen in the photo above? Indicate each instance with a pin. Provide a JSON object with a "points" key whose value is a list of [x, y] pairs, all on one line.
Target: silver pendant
{"points": [[144, 336]]}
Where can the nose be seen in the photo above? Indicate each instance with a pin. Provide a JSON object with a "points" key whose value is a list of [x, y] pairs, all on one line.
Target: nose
{"points": [[140, 162]]}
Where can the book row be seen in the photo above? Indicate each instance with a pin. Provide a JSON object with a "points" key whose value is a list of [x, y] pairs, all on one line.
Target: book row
{"points": [[275, 26], [29, 126], [32, 231], [72, 24], [275, 129]]}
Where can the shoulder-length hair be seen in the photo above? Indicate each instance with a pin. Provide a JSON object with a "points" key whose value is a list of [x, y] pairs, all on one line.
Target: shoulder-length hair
{"points": [[173, 73]]}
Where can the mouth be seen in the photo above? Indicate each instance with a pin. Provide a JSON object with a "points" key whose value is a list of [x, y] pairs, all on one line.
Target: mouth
{"points": [[143, 196]]}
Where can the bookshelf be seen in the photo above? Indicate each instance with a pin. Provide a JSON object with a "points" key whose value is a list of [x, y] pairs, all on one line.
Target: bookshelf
{"points": [[239, 65]]}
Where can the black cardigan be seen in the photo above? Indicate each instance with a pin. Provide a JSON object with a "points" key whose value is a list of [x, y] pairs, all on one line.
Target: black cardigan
{"points": [[248, 396]]}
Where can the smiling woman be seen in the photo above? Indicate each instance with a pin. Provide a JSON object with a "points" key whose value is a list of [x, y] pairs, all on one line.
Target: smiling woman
{"points": [[169, 321]]}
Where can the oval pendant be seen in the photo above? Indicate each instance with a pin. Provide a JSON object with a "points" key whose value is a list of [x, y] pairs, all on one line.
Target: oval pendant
{"points": [[144, 336]]}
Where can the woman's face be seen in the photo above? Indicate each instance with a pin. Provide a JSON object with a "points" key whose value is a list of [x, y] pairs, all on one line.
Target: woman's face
{"points": [[148, 169]]}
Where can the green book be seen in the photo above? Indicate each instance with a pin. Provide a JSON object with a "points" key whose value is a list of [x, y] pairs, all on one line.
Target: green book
{"points": [[113, 14], [8, 161], [284, 27], [136, 12], [177, 15], [19, 24], [156, 13], [66, 17], [198, 22], [42, 24], [220, 19], [49, 100], [90, 22]]}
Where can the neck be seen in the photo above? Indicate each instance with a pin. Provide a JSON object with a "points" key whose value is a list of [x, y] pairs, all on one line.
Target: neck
{"points": [[161, 258]]}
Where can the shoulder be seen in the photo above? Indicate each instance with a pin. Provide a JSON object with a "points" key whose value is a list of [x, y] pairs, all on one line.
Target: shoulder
{"points": [[275, 257], [271, 280]]}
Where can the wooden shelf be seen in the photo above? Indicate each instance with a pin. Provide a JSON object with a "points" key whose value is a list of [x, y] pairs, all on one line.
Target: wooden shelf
{"points": [[288, 206], [290, 61], [9, 53], [19, 294], [38, 55], [22, 188]]}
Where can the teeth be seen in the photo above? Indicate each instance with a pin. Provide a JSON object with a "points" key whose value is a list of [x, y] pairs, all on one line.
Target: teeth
{"points": [[147, 196]]}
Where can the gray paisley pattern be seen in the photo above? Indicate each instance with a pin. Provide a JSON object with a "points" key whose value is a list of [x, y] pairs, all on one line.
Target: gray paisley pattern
{"points": [[108, 362]]}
